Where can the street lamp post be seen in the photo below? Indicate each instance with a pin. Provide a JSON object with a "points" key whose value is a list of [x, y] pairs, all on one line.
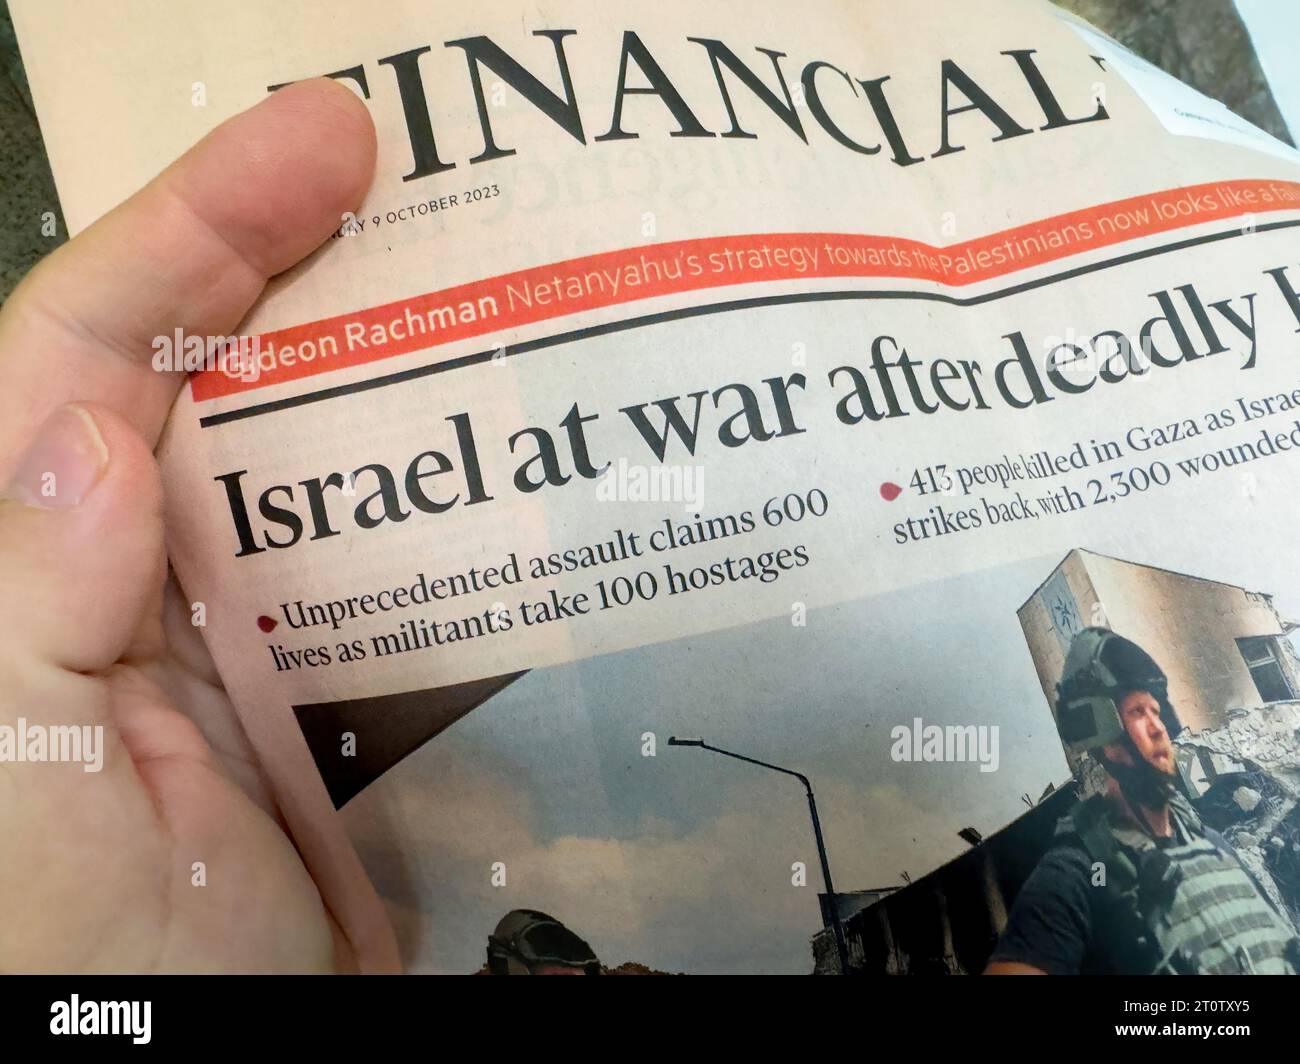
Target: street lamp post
{"points": [[841, 944]]}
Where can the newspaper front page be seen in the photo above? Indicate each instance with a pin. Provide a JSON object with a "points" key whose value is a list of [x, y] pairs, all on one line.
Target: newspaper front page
{"points": [[801, 380]]}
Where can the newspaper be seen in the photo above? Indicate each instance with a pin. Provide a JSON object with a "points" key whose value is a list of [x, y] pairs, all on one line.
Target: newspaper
{"points": [[729, 371]]}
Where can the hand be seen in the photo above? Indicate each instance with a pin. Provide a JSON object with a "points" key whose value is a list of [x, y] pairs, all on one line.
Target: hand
{"points": [[97, 868]]}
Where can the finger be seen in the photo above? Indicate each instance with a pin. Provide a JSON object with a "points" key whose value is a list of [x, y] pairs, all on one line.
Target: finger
{"points": [[192, 250], [81, 542]]}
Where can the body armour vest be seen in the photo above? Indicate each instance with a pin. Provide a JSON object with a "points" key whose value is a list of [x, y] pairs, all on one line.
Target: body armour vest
{"points": [[1186, 908]]}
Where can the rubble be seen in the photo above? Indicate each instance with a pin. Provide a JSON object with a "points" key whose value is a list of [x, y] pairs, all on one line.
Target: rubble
{"points": [[1248, 788], [1246, 798]]}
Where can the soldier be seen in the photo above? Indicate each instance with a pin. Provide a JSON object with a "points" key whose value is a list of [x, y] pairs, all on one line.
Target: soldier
{"points": [[527, 942], [1133, 881]]}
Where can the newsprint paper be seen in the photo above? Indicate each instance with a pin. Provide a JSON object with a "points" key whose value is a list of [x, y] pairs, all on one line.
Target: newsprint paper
{"points": [[799, 378]]}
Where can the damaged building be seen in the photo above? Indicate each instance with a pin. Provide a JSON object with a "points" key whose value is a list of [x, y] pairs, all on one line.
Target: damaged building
{"points": [[1224, 648], [947, 922], [1234, 681]]}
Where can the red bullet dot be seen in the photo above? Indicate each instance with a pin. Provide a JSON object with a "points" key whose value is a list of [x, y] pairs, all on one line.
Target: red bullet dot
{"points": [[267, 624], [889, 491]]}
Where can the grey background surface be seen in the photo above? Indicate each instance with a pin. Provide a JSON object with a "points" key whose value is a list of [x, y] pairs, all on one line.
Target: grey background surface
{"points": [[1203, 42]]}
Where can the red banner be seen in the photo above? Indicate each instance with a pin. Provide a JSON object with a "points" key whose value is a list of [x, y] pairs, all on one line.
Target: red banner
{"points": [[497, 304]]}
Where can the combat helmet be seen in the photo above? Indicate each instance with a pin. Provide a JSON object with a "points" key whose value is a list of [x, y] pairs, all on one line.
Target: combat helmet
{"points": [[1100, 669], [526, 938]]}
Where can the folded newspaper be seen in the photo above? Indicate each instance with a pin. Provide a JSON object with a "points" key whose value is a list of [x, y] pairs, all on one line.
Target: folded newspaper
{"points": [[803, 382]]}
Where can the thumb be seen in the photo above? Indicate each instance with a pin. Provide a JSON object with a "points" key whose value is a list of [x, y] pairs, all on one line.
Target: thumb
{"points": [[81, 541]]}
